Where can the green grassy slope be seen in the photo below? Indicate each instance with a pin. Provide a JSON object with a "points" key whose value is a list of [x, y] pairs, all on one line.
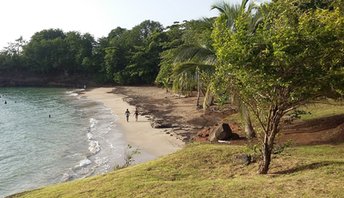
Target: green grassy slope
{"points": [[209, 170]]}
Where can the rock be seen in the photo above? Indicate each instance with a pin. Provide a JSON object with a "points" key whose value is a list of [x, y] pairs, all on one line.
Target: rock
{"points": [[222, 132], [243, 159], [234, 136], [160, 123]]}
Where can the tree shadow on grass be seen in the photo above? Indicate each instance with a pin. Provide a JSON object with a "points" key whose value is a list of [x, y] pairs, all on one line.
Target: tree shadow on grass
{"points": [[311, 166]]}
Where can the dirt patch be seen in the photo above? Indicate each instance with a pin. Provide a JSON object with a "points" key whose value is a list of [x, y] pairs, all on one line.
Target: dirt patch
{"points": [[325, 130]]}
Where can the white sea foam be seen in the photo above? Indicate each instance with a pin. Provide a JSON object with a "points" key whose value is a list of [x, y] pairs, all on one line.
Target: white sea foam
{"points": [[72, 93], [94, 147], [93, 122], [85, 162], [89, 136]]}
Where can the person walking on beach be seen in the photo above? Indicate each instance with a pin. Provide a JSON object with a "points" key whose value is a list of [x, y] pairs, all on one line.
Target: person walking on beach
{"points": [[136, 113], [127, 113]]}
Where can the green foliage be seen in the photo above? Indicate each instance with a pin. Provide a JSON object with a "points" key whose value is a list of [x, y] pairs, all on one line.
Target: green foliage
{"points": [[132, 56], [189, 47], [293, 56], [170, 50], [11, 57]]}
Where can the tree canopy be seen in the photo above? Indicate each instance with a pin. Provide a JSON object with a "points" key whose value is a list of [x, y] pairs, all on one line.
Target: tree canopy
{"points": [[294, 56]]}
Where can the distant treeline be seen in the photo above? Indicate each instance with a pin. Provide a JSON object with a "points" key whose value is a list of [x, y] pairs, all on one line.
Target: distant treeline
{"points": [[124, 57]]}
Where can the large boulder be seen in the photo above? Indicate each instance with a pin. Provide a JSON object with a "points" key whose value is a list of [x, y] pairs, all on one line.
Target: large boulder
{"points": [[222, 132], [242, 159]]}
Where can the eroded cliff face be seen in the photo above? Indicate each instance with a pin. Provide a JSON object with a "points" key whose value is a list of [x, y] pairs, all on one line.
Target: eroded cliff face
{"points": [[21, 78]]}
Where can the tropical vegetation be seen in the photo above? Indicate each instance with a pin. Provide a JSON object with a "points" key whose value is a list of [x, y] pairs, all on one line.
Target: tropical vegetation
{"points": [[267, 59]]}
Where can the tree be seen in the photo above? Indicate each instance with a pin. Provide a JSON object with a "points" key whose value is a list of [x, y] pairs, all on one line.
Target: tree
{"points": [[46, 51], [116, 53], [144, 64], [295, 56], [11, 57], [143, 46], [174, 40], [194, 61], [229, 15], [80, 49]]}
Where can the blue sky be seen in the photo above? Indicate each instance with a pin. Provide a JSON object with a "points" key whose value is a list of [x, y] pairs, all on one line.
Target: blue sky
{"points": [[97, 17]]}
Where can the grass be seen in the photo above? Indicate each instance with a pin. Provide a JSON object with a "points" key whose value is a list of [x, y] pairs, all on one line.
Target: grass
{"points": [[323, 108], [319, 109], [209, 170]]}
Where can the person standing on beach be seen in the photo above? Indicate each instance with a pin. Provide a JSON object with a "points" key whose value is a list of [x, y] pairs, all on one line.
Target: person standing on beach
{"points": [[136, 113], [127, 113]]}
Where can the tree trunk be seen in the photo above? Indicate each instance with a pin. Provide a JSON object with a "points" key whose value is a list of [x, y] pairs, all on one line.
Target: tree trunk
{"points": [[198, 89], [264, 166], [250, 133], [269, 138], [208, 99], [249, 128]]}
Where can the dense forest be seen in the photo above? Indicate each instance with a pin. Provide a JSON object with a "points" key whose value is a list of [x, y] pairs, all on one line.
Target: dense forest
{"points": [[125, 57], [267, 59]]}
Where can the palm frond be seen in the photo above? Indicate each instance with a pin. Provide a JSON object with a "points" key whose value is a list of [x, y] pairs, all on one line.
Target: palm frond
{"points": [[191, 53], [192, 68], [230, 11], [243, 5]]}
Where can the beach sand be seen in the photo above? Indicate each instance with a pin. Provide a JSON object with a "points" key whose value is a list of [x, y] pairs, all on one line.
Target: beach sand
{"points": [[139, 134]]}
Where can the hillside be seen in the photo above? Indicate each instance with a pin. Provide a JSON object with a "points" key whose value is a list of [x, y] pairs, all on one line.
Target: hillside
{"points": [[214, 170], [208, 170]]}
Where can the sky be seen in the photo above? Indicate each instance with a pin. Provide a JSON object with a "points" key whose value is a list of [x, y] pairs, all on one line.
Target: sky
{"points": [[97, 17]]}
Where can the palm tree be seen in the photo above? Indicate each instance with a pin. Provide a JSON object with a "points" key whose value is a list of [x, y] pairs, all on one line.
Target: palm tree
{"points": [[196, 60], [231, 13], [201, 60]]}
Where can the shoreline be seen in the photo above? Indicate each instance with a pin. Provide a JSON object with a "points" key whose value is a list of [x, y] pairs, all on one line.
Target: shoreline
{"points": [[138, 134]]}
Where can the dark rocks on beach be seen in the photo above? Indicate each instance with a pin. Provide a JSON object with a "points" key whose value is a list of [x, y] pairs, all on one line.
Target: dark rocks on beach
{"points": [[160, 123]]}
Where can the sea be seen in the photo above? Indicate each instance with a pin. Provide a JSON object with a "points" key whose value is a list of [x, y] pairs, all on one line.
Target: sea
{"points": [[52, 135]]}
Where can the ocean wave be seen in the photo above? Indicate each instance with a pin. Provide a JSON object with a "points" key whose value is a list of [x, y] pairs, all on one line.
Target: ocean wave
{"points": [[74, 92]]}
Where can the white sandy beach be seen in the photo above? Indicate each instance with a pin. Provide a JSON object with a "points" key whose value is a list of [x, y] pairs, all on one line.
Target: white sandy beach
{"points": [[139, 134]]}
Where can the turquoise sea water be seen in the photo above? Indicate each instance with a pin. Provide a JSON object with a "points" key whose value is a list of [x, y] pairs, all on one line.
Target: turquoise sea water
{"points": [[80, 139]]}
